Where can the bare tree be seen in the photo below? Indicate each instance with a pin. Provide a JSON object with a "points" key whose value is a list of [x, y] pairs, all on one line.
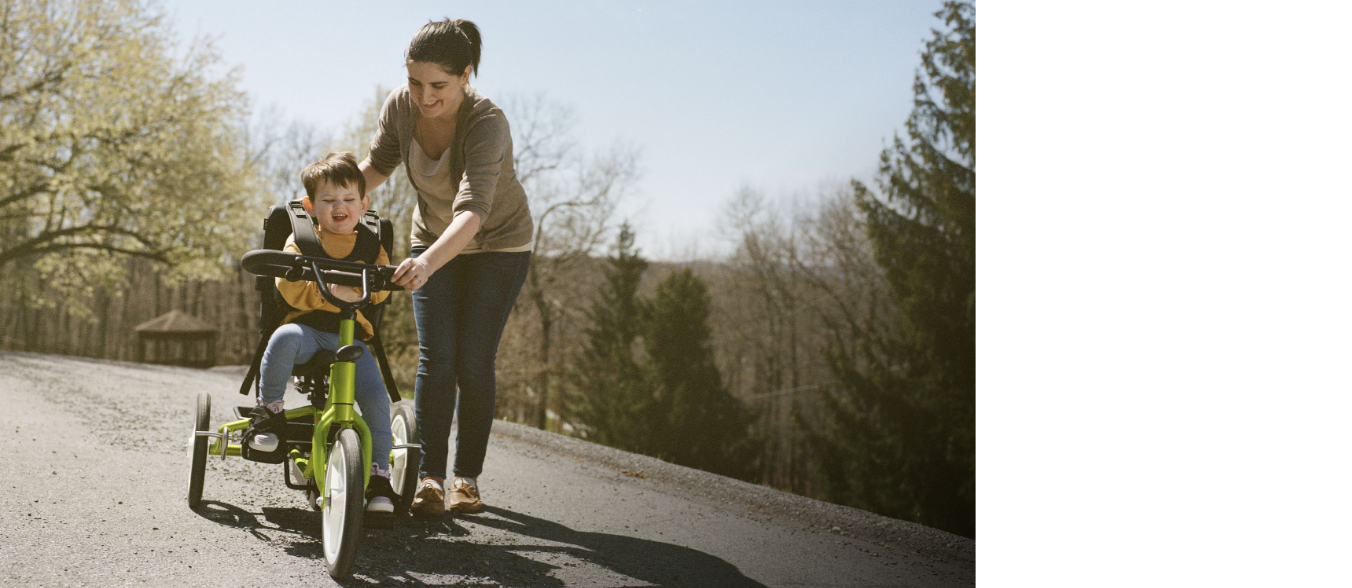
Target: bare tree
{"points": [[573, 197], [800, 278], [280, 148]]}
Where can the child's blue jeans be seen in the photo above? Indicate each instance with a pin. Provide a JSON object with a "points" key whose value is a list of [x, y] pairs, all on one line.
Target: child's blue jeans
{"points": [[293, 344]]}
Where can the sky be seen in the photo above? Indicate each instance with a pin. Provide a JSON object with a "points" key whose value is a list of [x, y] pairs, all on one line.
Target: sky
{"points": [[783, 97]]}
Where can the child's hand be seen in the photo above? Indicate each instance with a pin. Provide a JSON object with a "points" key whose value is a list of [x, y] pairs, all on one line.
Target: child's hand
{"points": [[347, 293]]}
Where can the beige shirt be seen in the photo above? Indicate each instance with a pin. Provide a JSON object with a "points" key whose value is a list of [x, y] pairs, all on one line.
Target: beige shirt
{"points": [[476, 174]]}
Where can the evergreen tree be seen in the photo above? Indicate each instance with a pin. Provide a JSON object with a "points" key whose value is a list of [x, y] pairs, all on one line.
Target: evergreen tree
{"points": [[700, 424], [611, 393], [901, 439], [670, 401]]}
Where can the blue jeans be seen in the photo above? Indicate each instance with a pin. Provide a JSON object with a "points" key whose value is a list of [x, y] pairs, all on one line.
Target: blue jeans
{"points": [[460, 313], [293, 344]]}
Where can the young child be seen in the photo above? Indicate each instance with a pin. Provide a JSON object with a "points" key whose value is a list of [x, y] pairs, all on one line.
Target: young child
{"points": [[336, 197]]}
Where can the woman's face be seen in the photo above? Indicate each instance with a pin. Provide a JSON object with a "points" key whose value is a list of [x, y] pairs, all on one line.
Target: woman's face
{"points": [[437, 93]]}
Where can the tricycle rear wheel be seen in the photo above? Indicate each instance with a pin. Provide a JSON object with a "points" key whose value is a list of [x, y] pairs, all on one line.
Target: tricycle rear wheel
{"points": [[404, 462], [199, 449]]}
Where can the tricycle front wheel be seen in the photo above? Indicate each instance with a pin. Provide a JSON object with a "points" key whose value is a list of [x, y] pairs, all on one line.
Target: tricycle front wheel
{"points": [[344, 501]]}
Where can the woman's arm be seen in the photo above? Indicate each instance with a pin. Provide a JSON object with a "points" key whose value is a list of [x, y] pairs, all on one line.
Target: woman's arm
{"points": [[373, 178], [414, 271]]}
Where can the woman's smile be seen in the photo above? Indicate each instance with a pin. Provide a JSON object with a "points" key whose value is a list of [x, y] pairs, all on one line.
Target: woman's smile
{"points": [[435, 91]]}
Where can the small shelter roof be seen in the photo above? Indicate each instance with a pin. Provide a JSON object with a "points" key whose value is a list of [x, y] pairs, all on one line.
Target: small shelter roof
{"points": [[175, 321]]}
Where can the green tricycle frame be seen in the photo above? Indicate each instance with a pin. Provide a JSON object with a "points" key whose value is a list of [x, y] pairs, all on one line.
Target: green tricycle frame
{"points": [[341, 439]]}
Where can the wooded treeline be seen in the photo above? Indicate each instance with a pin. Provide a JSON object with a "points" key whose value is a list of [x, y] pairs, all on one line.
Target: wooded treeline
{"points": [[832, 354], [100, 325]]}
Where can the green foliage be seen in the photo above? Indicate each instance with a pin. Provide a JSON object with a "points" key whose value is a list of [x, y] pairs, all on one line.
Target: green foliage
{"points": [[610, 391], [901, 435], [700, 423], [112, 146], [670, 401]]}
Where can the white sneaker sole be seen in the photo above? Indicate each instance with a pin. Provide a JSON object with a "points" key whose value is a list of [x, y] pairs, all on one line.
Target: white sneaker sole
{"points": [[264, 442]]}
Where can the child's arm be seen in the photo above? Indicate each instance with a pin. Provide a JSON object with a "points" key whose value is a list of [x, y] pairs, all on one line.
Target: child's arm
{"points": [[304, 295]]}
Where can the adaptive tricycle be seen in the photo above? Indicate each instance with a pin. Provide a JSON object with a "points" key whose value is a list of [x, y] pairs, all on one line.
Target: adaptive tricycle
{"points": [[325, 446]]}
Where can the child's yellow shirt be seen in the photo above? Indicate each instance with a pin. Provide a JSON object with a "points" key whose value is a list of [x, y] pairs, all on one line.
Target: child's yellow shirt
{"points": [[304, 295]]}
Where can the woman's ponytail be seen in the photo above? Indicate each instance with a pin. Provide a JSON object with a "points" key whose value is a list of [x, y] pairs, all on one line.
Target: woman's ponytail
{"points": [[476, 42]]}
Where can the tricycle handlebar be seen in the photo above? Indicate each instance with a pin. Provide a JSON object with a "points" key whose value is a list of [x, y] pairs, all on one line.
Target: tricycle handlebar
{"points": [[294, 267]]}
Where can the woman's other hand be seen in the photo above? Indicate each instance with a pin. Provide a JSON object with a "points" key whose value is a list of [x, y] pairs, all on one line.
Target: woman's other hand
{"points": [[412, 273]]}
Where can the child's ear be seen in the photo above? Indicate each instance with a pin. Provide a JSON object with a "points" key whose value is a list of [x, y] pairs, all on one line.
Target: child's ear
{"points": [[365, 202], [309, 206]]}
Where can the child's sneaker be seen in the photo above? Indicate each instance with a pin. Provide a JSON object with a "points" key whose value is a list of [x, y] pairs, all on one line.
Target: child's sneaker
{"points": [[465, 496], [379, 495], [265, 426], [430, 500]]}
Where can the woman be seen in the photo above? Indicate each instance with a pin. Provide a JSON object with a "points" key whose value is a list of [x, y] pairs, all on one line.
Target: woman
{"points": [[472, 236]]}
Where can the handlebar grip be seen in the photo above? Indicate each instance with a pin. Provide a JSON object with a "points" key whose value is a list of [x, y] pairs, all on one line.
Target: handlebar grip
{"points": [[266, 262]]}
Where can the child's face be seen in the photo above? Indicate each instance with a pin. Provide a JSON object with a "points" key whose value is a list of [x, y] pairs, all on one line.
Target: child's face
{"points": [[338, 208]]}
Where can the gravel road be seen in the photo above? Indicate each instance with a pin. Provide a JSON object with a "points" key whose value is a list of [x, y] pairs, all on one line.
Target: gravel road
{"points": [[97, 474]]}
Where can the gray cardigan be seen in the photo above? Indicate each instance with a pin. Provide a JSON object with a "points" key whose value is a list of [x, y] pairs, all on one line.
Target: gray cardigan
{"points": [[481, 157]]}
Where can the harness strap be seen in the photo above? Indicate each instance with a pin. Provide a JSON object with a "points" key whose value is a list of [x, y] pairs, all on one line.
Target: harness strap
{"points": [[303, 227], [367, 248], [378, 349], [253, 375]]}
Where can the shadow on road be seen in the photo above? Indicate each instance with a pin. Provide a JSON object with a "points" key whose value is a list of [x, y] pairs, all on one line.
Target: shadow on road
{"points": [[527, 552], [231, 515]]}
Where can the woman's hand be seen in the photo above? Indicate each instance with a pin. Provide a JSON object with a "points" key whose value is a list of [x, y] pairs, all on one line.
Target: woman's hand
{"points": [[412, 273]]}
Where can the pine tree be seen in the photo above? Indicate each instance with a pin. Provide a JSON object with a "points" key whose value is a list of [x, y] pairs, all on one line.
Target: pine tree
{"points": [[700, 424], [611, 392], [901, 439], [668, 401]]}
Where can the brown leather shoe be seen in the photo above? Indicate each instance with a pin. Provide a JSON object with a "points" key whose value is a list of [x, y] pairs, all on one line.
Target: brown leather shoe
{"points": [[464, 497], [430, 500]]}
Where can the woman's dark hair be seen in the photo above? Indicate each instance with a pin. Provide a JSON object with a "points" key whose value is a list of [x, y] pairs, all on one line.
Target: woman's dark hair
{"points": [[451, 45]]}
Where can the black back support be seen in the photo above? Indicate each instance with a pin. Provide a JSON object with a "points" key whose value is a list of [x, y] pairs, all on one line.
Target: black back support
{"points": [[282, 221]]}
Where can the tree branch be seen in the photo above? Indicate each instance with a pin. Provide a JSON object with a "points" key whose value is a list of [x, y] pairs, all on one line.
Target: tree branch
{"points": [[48, 79], [153, 255], [44, 241]]}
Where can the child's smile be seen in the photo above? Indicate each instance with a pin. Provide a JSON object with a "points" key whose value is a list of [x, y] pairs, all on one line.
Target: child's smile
{"points": [[338, 208]]}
